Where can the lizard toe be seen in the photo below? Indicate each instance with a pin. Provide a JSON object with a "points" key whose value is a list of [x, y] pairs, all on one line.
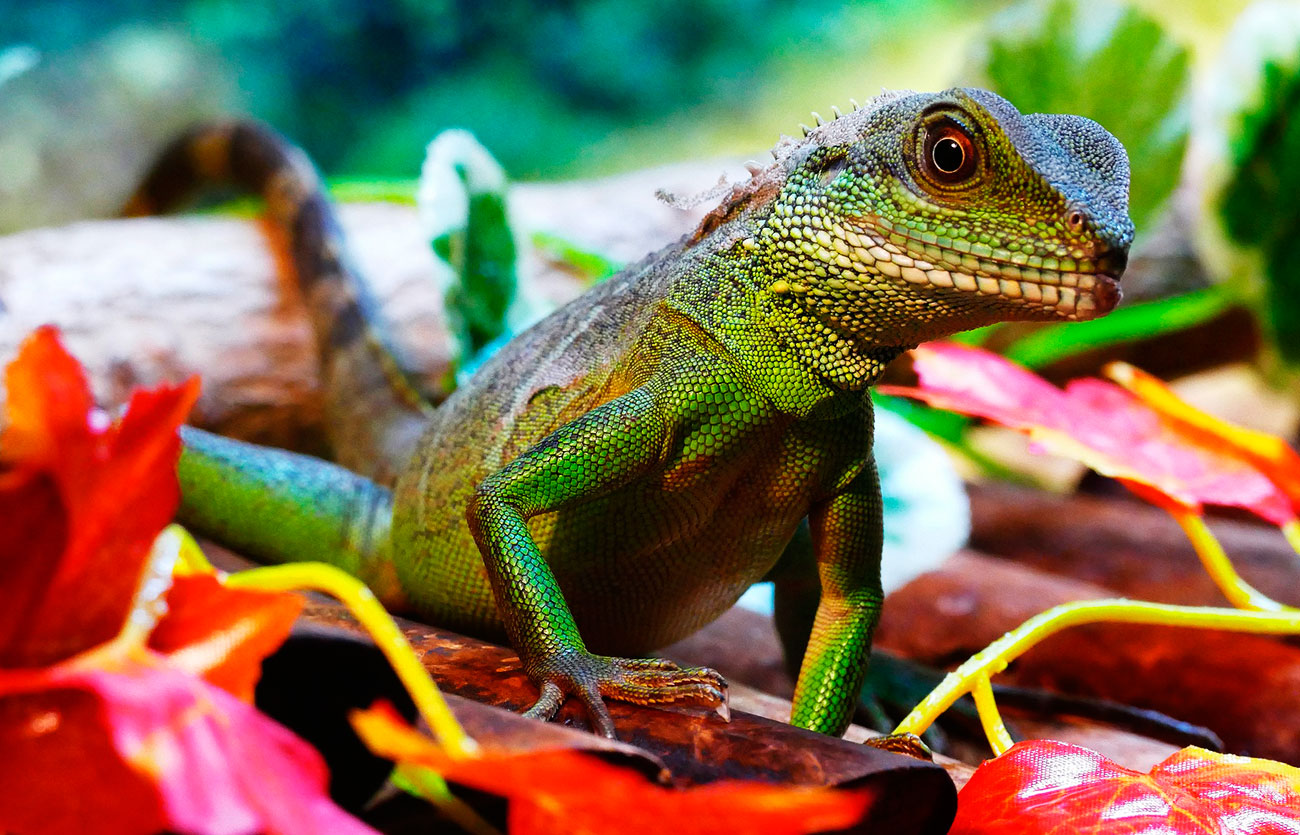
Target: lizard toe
{"points": [[589, 695], [547, 703], [643, 681], [690, 685], [676, 675]]}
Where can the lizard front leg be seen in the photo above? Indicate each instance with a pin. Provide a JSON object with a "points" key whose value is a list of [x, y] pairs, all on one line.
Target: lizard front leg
{"points": [[847, 536], [601, 451]]}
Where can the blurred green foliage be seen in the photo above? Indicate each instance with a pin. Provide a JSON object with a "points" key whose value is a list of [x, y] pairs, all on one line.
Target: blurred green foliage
{"points": [[555, 89], [363, 83], [1254, 126], [1109, 62]]}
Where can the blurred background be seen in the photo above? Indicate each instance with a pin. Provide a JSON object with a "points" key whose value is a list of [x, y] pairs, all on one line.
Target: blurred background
{"points": [[553, 89], [1203, 94]]}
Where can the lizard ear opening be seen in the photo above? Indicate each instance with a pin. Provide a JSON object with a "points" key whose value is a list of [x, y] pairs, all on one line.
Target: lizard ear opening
{"points": [[831, 168]]}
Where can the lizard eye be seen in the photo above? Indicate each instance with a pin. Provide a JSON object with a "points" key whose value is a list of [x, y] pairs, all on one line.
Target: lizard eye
{"points": [[948, 154]]}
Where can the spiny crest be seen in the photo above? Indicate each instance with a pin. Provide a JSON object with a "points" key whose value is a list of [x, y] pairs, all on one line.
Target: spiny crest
{"points": [[854, 107]]}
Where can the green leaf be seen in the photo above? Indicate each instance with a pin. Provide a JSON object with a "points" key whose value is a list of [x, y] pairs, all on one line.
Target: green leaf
{"points": [[401, 192], [1127, 324], [1254, 133], [463, 204], [591, 267], [1107, 62], [951, 428], [978, 336], [946, 426]]}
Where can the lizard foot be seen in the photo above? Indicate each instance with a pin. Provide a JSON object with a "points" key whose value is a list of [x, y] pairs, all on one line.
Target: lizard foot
{"points": [[642, 681]]}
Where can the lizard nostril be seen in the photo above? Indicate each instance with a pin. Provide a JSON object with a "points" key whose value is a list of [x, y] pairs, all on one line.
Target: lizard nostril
{"points": [[1076, 220]]}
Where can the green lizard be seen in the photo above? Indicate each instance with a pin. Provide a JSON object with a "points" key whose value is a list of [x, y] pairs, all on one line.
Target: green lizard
{"points": [[617, 475]]}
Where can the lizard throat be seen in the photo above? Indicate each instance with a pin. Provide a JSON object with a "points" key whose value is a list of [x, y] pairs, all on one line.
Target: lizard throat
{"points": [[827, 346]]}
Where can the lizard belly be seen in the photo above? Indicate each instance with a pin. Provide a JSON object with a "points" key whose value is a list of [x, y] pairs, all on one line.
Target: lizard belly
{"points": [[634, 594], [640, 567], [655, 561]]}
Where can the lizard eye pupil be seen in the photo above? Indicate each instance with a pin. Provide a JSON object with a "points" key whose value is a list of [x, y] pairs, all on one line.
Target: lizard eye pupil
{"points": [[948, 155]]}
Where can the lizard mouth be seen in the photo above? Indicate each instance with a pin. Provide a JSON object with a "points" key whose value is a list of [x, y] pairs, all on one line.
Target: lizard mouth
{"points": [[1066, 288]]}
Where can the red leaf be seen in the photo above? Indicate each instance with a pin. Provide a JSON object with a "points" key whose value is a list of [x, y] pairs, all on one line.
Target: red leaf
{"points": [[1102, 425], [223, 634], [567, 792], [104, 492], [60, 772], [107, 735], [215, 763], [1050, 787]]}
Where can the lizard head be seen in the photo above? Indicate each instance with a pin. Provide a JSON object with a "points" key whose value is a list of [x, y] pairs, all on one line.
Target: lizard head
{"points": [[920, 215]]}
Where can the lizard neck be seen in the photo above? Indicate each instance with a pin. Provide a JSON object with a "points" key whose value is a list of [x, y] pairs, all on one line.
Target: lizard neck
{"points": [[804, 362], [735, 277], [822, 341]]}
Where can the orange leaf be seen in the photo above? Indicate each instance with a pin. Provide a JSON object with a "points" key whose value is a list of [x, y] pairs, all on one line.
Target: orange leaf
{"points": [[221, 633], [1102, 425], [568, 792], [1050, 787], [48, 404], [1271, 454]]}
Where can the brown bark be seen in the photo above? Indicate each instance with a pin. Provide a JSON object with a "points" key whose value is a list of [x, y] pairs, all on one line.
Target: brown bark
{"points": [[1130, 547], [756, 744]]}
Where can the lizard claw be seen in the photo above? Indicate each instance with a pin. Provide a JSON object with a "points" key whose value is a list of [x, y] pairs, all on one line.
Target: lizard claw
{"points": [[643, 681], [907, 744], [547, 704]]}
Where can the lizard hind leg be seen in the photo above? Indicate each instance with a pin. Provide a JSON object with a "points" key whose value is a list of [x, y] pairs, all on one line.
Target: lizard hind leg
{"points": [[374, 411]]}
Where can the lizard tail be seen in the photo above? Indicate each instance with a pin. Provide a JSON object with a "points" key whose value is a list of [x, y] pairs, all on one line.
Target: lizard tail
{"points": [[277, 506], [373, 409]]}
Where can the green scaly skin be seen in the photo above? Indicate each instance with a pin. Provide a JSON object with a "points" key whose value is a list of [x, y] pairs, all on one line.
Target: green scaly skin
{"points": [[619, 474]]}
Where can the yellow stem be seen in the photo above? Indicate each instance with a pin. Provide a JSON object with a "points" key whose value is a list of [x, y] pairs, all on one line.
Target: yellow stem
{"points": [[385, 633], [994, 728], [994, 658], [1239, 593], [190, 559]]}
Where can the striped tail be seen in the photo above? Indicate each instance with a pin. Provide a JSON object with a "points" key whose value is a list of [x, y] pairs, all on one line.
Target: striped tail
{"points": [[374, 411]]}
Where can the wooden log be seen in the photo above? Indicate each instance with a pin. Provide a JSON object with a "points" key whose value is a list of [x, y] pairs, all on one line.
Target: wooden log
{"points": [[696, 745], [1127, 546]]}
